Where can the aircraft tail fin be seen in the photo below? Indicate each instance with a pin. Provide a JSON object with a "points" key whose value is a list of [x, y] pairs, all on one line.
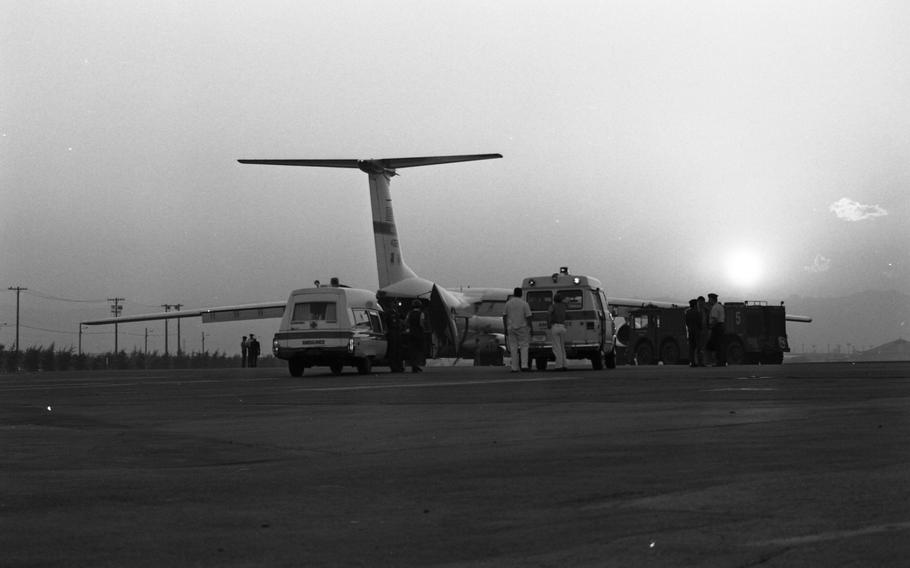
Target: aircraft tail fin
{"points": [[389, 263]]}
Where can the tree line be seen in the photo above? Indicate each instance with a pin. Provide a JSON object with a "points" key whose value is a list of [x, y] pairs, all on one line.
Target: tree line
{"points": [[52, 358]]}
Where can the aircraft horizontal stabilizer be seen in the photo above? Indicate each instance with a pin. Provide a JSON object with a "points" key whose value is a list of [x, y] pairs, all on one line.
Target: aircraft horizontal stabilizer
{"points": [[374, 165], [395, 163], [315, 163]]}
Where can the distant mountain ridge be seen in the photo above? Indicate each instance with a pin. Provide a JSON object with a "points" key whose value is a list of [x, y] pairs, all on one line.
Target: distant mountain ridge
{"points": [[855, 322]]}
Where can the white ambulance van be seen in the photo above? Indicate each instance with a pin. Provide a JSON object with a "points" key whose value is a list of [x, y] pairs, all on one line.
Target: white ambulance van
{"points": [[333, 327], [590, 331]]}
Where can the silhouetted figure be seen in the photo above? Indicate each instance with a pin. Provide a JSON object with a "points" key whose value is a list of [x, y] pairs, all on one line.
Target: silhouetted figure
{"points": [[253, 351], [244, 349], [415, 325], [716, 318], [705, 333], [395, 353], [693, 333]]}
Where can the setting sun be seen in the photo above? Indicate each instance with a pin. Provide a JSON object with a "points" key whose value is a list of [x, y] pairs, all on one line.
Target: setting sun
{"points": [[744, 268]]}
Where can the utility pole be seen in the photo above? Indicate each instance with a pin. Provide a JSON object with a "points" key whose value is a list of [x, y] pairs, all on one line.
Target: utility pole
{"points": [[167, 308], [116, 308], [19, 290], [177, 308]]}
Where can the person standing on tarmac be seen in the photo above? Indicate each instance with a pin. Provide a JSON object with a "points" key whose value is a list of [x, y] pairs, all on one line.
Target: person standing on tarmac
{"points": [[516, 320], [244, 349], [395, 352], [693, 333], [716, 318], [556, 321], [414, 324], [705, 333], [253, 351]]}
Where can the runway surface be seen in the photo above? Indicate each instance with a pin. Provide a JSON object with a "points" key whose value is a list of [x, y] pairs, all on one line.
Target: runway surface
{"points": [[792, 465]]}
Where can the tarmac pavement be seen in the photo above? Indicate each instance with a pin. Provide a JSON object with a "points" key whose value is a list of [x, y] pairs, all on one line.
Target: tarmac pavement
{"points": [[790, 465]]}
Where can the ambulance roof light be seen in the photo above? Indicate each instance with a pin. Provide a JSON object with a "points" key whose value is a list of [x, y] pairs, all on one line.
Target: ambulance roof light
{"points": [[576, 280], [531, 282], [563, 269], [555, 278]]}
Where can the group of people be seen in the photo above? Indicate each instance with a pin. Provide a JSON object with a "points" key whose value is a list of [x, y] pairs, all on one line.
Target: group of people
{"points": [[705, 332], [249, 351], [516, 321], [704, 328], [408, 338]]}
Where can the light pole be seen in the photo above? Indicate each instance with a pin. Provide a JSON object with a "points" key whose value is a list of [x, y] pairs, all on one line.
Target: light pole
{"points": [[167, 308], [19, 290], [116, 308], [177, 308]]}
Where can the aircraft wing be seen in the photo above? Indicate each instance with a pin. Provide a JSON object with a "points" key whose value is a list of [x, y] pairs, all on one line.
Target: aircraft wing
{"points": [[265, 310]]}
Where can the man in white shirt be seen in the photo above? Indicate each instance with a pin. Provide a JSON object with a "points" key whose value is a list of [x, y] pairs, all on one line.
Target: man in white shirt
{"points": [[517, 323]]}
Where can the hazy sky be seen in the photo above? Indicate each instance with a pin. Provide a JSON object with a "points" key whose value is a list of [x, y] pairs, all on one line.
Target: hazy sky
{"points": [[756, 149]]}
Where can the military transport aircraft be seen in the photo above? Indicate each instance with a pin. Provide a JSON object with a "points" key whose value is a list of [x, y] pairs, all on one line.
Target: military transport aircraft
{"points": [[457, 317]]}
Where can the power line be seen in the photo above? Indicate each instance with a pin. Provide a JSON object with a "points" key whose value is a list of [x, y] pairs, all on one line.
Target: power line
{"points": [[47, 330], [46, 296]]}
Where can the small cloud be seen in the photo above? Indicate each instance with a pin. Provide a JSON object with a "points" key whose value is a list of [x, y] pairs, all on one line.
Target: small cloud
{"points": [[850, 210], [821, 263]]}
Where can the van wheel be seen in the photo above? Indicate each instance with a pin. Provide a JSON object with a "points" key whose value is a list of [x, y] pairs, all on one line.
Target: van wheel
{"points": [[597, 361], [610, 358], [336, 368], [295, 366], [364, 366]]}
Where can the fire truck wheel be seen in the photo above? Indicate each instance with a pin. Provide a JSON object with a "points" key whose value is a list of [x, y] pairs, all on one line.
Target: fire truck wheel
{"points": [[644, 353], [735, 352], [295, 366], [669, 352], [336, 368]]}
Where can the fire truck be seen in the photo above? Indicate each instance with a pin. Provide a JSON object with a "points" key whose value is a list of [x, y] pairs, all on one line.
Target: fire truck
{"points": [[754, 332]]}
